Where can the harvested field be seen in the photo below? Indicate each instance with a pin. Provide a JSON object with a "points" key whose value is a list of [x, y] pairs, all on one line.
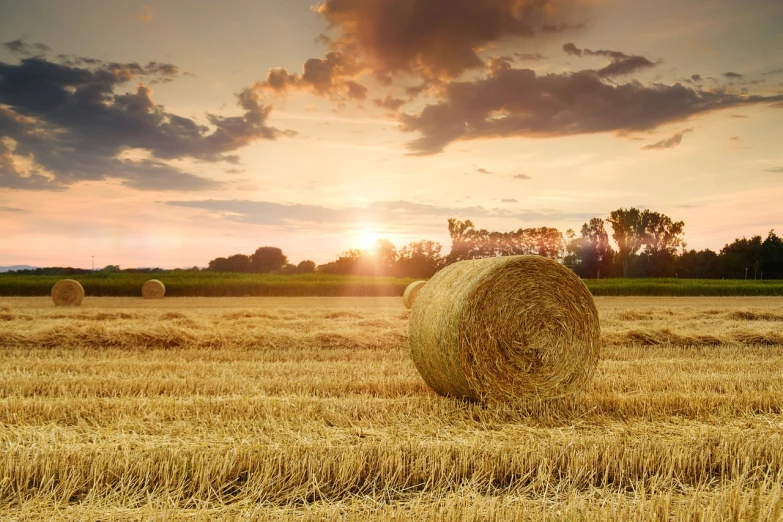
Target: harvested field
{"points": [[311, 409]]}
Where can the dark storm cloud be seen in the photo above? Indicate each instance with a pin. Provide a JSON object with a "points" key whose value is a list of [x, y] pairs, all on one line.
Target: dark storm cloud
{"points": [[267, 213], [70, 124], [22, 48], [620, 63], [518, 102], [668, 143], [430, 39]]}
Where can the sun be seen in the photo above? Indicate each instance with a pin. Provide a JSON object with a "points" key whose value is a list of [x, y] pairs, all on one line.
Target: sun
{"points": [[367, 238]]}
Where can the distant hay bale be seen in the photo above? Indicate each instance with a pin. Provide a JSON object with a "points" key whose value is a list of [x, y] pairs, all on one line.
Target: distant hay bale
{"points": [[504, 329], [153, 289], [409, 297], [67, 293]]}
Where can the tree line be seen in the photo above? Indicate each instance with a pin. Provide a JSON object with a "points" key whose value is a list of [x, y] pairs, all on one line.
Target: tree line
{"points": [[643, 243]]}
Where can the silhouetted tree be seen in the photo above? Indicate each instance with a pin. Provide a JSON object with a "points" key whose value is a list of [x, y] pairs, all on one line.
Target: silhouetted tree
{"points": [[628, 233], [420, 259], [697, 264], [305, 267], [740, 257], [772, 256], [267, 259], [235, 263], [591, 255]]}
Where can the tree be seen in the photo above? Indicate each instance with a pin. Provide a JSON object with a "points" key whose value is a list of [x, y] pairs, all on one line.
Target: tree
{"points": [[469, 243], [267, 259], [697, 265], [740, 256], [235, 263], [628, 233], [771, 256], [633, 229], [591, 254], [420, 259], [460, 240], [383, 258], [305, 267]]}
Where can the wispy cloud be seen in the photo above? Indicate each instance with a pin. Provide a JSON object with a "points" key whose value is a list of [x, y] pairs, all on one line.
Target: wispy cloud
{"points": [[668, 143], [389, 212]]}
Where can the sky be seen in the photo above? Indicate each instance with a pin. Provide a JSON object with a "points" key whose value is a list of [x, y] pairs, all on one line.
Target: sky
{"points": [[169, 133]]}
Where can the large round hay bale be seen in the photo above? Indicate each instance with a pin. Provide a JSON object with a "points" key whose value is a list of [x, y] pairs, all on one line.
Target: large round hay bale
{"points": [[409, 297], [67, 293], [504, 329], [153, 289]]}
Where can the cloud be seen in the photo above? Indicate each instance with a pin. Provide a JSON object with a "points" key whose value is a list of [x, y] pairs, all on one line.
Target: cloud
{"points": [[436, 38], [22, 48], [620, 63], [11, 209], [529, 56], [518, 102], [61, 124], [775, 169], [146, 13], [389, 212], [732, 75], [561, 27], [508, 201], [696, 77], [521, 176], [390, 103], [482, 171], [735, 138], [668, 143], [330, 76]]}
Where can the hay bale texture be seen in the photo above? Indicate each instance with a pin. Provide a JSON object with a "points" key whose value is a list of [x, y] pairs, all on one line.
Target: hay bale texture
{"points": [[67, 293], [409, 297], [153, 289], [504, 329]]}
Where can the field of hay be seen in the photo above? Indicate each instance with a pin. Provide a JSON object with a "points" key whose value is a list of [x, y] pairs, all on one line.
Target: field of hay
{"points": [[311, 409]]}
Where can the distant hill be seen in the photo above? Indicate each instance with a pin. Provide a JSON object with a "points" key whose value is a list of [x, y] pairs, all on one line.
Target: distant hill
{"points": [[16, 267]]}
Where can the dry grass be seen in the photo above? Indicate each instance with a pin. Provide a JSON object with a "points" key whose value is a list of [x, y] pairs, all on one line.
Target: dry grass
{"points": [[311, 409]]}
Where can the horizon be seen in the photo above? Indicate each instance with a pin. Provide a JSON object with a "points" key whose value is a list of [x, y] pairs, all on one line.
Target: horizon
{"points": [[165, 134]]}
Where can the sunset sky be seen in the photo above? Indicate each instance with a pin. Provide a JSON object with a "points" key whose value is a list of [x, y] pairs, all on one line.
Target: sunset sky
{"points": [[170, 133]]}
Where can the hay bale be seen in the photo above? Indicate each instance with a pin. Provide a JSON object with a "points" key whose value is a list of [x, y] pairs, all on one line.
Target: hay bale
{"points": [[505, 328], [153, 289], [409, 297], [67, 293]]}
